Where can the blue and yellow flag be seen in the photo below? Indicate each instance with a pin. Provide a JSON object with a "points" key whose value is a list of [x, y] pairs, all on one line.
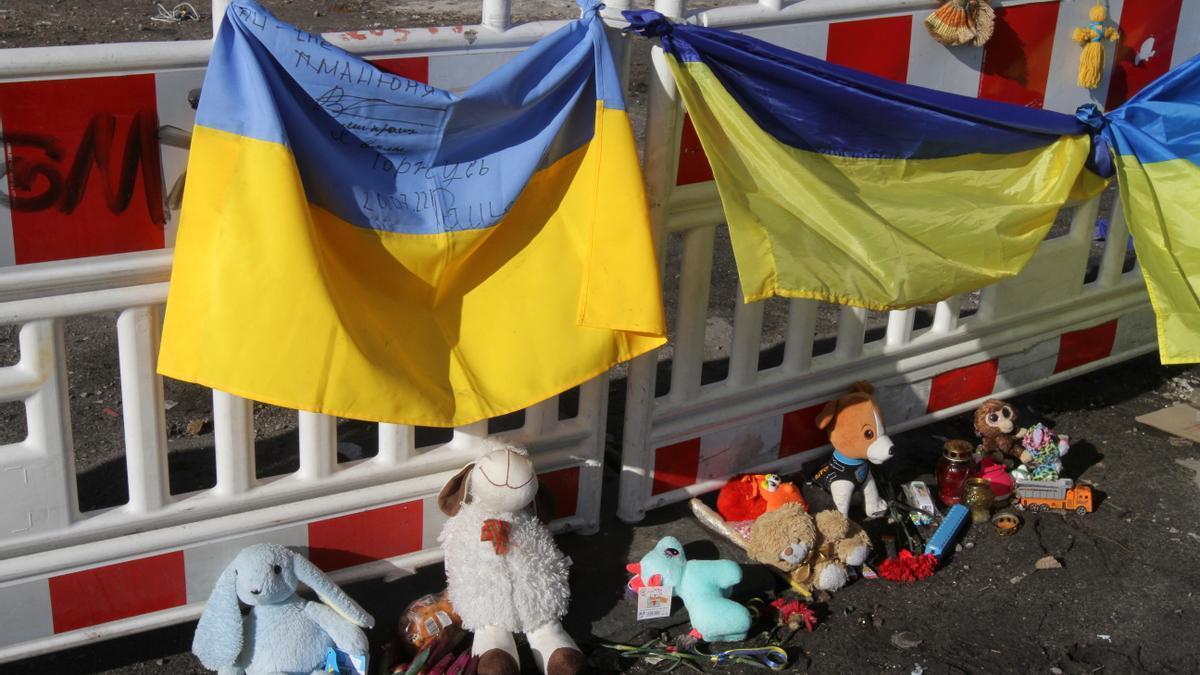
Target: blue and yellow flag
{"points": [[842, 186], [363, 245], [1155, 138]]}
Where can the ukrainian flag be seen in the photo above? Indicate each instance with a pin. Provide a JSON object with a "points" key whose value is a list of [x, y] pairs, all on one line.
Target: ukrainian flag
{"points": [[842, 186], [1155, 137], [364, 245]]}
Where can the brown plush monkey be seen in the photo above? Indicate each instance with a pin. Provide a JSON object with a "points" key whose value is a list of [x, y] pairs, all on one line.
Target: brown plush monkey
{"points": [[995, 421]]}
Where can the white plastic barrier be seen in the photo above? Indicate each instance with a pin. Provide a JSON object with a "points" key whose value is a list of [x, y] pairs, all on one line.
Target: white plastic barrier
{"points": [[1045, 325], [69, 576]]}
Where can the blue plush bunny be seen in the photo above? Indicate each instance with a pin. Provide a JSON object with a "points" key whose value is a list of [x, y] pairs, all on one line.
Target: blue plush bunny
{"points": [[702, 585], [283, 633]]}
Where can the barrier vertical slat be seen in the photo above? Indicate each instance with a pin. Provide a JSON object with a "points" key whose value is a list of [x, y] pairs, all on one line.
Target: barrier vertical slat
{"points": [[468, 433], [851, 331], [593, 395], [138, 330], [1083, 222], [397, 443], [593, 410], [233, 436], [497, 14], [671, 8], [318, 445], [987, 303], [945, 314], [802, 323], [900, 327], [49, 417], [541, 417], [662, 136], [747, 334], [218, 14], [1116, 245], [695, 278]]}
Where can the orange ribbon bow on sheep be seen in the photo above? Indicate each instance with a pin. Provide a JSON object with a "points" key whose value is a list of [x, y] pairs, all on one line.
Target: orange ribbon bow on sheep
{"points": [[495, 531]]}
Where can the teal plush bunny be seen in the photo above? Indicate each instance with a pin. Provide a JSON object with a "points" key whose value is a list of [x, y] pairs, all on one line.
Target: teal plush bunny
{"points": [[283, 633], [702, 585]]}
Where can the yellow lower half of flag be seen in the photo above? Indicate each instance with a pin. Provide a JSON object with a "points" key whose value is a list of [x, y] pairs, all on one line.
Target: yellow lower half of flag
{"points": [[280, 301], [1162, 207], [875, 232]]}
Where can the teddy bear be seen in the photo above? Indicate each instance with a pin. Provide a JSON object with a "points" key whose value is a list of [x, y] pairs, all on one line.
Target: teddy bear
{"points": [[813, 550]]}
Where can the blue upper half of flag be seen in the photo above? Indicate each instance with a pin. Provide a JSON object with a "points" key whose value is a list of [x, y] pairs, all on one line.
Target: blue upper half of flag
{"points": [[818, 106], [386, 152], [1159, 123]]}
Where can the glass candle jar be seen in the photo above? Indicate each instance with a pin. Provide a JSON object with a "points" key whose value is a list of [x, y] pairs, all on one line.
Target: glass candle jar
{"points": [[953, 469], [977, 496]]}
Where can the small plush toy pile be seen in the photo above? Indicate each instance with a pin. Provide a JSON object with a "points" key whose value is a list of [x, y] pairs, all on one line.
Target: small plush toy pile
{"points": [[760, 514], [505, 575]]}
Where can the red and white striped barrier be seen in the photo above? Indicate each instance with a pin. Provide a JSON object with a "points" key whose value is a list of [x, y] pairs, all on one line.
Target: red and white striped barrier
{"points": [[131, 594], [703, 463], [1040, 327], [94, 146], [95, 140]]}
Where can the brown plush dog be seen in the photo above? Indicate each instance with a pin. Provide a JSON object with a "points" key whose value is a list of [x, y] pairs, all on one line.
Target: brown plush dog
{"points": [[995, 421], [812, 550], [855, 426]]}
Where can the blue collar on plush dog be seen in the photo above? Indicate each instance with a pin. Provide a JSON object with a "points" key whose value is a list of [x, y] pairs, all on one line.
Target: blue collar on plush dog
{"points": [[848, 461]]}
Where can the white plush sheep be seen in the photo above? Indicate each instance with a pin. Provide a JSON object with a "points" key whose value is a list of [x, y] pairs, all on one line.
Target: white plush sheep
{"points": [[503, 572]]}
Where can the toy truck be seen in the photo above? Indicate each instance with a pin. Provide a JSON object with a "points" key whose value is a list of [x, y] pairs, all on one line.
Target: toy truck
{"points": [[1059, 495]]}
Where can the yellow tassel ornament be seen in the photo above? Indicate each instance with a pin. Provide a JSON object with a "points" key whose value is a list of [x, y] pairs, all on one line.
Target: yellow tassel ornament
{"points": [[960, 22], [1091, 61]]}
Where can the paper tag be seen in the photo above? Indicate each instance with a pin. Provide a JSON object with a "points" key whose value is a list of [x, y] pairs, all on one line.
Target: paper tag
{"points": [[359, 663], [654, 602], [337, 661]]}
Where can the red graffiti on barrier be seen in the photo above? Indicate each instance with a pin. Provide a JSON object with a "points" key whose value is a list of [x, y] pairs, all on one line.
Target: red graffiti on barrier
{"points": [[42, 180], [82, 174]]}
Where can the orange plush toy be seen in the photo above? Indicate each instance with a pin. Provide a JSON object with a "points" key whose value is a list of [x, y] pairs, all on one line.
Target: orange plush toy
{"points": [[749, 496]]}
